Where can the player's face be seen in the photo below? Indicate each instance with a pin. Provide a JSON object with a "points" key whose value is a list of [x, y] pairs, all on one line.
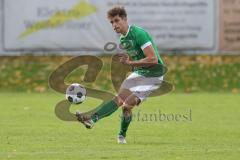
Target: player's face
{"points": [[119, 24]]}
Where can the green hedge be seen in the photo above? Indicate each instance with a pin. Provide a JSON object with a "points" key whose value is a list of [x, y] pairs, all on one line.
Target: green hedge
{"points": [[187, 73]]}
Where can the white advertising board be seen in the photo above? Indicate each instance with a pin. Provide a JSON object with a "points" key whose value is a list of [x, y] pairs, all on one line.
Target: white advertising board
{"points": [[79, 25]]}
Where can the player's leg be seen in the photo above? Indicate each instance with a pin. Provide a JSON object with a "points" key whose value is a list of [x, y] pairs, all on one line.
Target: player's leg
{"points": [[105, 109], [126, 118], [111, 106], [141, 90]]}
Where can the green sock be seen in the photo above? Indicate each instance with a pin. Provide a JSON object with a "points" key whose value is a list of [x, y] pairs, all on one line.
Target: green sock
{"points": [[104, 110], [125, 121]]}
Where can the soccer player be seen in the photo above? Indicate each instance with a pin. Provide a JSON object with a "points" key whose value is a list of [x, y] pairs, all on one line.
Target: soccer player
{"points": [[143, 56]]}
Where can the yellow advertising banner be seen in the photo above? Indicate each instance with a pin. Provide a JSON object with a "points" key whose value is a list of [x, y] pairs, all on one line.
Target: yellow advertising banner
{"points": [[230, 25]]}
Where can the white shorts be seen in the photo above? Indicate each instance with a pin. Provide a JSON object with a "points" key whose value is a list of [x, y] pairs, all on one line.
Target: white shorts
{"points": [[141, 86]]}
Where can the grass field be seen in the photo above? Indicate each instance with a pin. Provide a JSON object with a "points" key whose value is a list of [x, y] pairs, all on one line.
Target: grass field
{"points": [[30, 130]]}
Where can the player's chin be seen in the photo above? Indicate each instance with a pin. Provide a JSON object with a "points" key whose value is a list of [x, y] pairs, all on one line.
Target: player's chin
{"points": [[117, 31]]}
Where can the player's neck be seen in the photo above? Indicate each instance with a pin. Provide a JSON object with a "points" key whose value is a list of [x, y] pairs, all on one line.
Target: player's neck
{"points": [[126, 30]]}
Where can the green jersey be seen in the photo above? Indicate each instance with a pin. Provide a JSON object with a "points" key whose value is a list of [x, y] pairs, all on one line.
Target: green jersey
{"points": [[134, 42]]}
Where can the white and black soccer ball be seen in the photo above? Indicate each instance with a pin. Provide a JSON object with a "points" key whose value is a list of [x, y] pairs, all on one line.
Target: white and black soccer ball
{"points": [[76, 93]]}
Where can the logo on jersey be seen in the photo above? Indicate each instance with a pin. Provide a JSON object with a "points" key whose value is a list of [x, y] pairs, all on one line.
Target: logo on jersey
{"points": [[128, 45]]}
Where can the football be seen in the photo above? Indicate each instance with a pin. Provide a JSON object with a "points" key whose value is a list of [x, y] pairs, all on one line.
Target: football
{"points": [[76, 93]]}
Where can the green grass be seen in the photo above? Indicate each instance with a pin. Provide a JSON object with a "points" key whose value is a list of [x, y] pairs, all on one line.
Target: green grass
{"points": [[30, 130]]}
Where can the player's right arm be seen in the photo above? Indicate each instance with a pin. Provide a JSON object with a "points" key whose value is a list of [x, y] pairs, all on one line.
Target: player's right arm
{"points": [[149, 60]]}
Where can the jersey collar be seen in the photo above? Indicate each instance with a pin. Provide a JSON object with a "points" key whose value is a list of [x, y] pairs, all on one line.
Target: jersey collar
{"points": [[127, 32]]}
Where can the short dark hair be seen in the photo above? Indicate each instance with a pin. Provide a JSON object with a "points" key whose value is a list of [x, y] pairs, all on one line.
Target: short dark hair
{"points": [[117, 11]]}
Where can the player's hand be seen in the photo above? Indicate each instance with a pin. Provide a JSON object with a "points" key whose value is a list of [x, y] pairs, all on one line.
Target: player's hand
{"points": [[123, 58]]}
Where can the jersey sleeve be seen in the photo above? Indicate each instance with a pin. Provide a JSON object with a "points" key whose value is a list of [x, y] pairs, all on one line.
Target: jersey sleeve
{"points": [[143, 39]]}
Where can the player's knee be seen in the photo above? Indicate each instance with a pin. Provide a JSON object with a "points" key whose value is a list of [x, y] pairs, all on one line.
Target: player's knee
{"points": [[118, 100], [131, 102]]}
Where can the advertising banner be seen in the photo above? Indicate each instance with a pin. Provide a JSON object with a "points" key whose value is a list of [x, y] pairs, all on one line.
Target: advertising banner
{"points": [[82, 25]]}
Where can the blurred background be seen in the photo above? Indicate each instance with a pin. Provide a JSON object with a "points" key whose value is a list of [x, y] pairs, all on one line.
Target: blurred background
{"points": [[199, 40]]}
